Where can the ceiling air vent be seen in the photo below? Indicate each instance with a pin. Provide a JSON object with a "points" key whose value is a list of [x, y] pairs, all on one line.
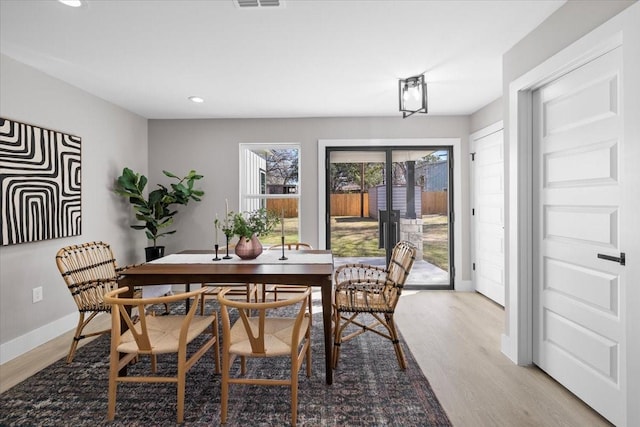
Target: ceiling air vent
{"points": [[259, 3]]}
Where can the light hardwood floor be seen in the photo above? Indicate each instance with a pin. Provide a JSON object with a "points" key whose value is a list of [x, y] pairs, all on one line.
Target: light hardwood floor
{"points": [[24, 366], [455, 337]]}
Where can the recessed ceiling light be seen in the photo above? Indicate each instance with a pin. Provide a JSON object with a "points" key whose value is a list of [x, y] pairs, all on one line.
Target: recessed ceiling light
{"points": [[72, 3], [196, 99]]}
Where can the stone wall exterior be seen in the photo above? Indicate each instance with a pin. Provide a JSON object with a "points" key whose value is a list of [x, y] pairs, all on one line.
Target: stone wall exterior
{"points": [[411, 231]]}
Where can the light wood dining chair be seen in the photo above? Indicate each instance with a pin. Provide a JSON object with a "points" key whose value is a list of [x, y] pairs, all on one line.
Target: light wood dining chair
{"points": [[294, 246], [155, 335], [246, 291], [256, 335], [367, 290], [89, 271]]}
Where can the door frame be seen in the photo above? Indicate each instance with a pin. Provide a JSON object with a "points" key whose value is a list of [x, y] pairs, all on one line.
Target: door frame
{"points": [[517, 341], [388, 179], [356, 144]]}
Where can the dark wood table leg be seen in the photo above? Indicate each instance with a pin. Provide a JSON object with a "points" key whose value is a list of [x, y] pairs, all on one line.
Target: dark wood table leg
{"points": [[326, 289]]}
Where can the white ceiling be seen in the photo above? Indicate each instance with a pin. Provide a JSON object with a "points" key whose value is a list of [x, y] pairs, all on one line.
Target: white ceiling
{"points": [[320, 58]]}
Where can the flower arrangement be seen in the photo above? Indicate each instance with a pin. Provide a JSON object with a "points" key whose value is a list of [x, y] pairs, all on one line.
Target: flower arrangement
{"points": [[246, 224]]}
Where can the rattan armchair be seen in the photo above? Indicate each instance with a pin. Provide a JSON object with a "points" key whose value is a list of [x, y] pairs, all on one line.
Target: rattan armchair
{"points": [[154, 335], [90, 271], [257, 335], [367, 290]]}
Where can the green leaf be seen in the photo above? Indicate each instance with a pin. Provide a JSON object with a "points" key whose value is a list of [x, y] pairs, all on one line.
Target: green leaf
{"points": [[154, 209]]}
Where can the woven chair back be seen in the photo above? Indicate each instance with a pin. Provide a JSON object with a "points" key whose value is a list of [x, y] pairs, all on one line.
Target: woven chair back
{"points": [[402, 258], [139, 328], [89, 270], [253, 316]]}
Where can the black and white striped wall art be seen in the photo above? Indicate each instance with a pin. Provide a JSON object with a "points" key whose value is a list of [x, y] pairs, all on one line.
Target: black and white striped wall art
{"points": [[40, 179]]}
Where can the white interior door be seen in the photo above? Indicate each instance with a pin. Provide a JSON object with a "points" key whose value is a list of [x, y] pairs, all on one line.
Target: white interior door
{"points": [[579, 329], [488, 214]]}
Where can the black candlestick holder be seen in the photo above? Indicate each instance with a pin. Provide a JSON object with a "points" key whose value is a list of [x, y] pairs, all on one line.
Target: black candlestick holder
{"points": [[282, 258], [227, 256], [216, 246]]}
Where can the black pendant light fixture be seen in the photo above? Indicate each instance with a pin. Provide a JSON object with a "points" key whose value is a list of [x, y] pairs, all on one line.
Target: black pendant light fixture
{"points": [[412, 93]]}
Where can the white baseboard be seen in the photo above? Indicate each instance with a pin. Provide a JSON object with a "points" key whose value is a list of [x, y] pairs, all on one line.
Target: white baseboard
{"points": [[22, 344], [464, 286], [506, 346], [27, 342]]}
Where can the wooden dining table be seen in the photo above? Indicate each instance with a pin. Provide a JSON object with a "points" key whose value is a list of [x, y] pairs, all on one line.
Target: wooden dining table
{"points": [[308, 267]]}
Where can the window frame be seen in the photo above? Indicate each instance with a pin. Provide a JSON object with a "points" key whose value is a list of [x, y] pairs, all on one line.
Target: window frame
{"points": [[244, 196]]}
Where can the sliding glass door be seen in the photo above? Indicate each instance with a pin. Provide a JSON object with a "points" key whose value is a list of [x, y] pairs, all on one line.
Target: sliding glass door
{"points": [[378, 196]]}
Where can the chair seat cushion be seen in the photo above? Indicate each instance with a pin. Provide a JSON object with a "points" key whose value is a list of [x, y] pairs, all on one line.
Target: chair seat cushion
{"points": [[362, 301], [164, 333], [277, 339]]}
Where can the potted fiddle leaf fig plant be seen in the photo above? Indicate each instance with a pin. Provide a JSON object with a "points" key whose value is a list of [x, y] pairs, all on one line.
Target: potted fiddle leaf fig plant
{"points": [[156, 209]]}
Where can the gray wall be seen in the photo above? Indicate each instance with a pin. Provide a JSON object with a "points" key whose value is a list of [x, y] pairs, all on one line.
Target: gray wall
{"points": [[486, 116], [111, 139], [570, 22], [211, 147]]}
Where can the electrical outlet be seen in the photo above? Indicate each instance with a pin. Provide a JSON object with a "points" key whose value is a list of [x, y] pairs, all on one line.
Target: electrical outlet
{"points": [[37, 294]]}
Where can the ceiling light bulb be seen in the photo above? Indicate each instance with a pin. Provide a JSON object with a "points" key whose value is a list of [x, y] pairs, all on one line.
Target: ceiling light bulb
{"points": [[417, 92], [72, 3], [196, 99]]}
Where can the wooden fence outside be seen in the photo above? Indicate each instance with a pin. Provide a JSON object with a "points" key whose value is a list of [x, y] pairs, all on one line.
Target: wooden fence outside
{"points": [[433, 202], [290, 207], [349, 204]]}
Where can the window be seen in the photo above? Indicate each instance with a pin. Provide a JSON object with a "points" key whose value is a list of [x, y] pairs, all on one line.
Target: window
{"points": [[269, 178]]}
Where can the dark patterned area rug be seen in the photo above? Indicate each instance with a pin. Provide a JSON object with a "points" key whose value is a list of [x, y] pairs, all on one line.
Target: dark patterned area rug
{"points": [[369, 389]]}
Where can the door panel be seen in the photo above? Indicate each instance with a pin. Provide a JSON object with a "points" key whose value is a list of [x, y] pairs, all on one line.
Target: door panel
{"points": [[578, 328], [595, 351], [594, 164], [488, 215], [567, 224], [583, 284]]}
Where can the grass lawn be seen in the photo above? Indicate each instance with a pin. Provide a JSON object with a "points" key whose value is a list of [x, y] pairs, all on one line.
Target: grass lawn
{"points": [[354, 236], [435, 243], [290, 233]]}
